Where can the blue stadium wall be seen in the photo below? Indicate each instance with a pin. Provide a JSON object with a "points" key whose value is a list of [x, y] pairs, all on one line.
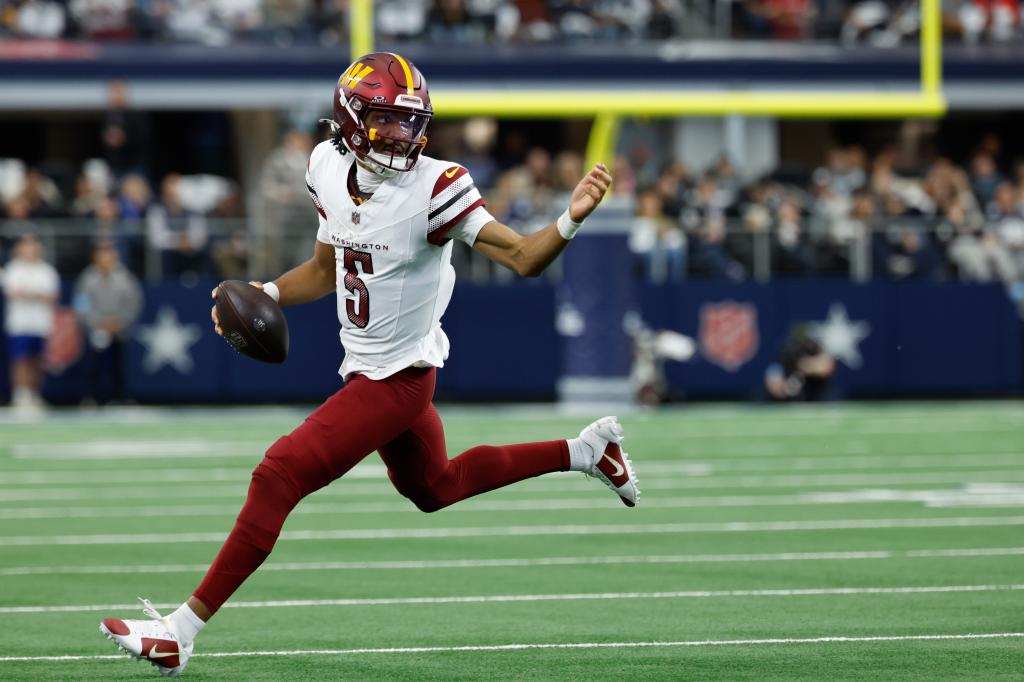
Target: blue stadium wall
{"points": [[899, 340]]}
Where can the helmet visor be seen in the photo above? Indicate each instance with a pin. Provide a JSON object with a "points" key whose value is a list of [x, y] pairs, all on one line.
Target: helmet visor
{"points": [[395, 132]]}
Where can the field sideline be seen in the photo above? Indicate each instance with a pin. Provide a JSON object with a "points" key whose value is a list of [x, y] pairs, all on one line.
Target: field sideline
{"points": [[866, 541]]}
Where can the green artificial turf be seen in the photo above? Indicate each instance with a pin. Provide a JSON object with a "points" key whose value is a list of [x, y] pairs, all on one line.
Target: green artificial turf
{"points": [[752, 523]]}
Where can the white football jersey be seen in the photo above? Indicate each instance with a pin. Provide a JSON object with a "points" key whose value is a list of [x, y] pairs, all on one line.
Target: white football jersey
{"points": [[393, 256]]}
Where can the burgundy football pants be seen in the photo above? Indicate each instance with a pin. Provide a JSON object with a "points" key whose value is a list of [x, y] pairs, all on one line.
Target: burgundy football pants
{"points": [[393, 416]]}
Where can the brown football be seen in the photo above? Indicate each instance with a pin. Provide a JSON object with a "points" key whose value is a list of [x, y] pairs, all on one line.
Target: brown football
{"points": [[253, 324]]}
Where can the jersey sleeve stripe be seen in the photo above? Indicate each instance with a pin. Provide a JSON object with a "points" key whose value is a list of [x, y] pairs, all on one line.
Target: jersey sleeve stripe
{"points": [[316, 200], [438, 235], [454, 187], [434, 212]]}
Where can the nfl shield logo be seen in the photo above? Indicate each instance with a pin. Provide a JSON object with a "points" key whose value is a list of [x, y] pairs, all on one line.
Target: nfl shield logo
{"points": [[728, 333], [355, 217]]}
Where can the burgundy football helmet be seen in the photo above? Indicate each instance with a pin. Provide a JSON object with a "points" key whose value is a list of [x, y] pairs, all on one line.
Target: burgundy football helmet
{"points": [[382, 108]]}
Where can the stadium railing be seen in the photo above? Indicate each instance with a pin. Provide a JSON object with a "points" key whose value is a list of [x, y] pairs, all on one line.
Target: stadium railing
{"points": [[68, 244]]}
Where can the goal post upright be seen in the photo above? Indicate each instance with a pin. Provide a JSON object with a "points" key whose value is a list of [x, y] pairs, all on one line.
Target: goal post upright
{"points": [[927, 100]]}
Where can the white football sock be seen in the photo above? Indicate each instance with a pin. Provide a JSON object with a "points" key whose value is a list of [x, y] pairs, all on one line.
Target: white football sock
{"points": [[185, 623], [581, 455]]}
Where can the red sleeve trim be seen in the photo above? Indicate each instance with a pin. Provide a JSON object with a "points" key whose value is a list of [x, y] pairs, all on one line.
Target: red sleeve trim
{"points": [[316, 200], [439, 236], [444, 180]]}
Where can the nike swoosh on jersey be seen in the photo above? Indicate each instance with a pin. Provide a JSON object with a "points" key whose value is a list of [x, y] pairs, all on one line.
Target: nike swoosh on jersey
{"points": [[153, 653], [619, 470], [451, 173]]}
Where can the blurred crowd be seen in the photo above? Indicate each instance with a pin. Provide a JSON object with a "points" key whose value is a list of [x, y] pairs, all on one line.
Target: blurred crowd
{"points": [[168, 225], [324, 22], [853, 215]]}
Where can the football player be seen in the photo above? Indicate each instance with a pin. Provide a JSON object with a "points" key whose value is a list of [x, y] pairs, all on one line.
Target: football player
{"points": [[388, 216]]}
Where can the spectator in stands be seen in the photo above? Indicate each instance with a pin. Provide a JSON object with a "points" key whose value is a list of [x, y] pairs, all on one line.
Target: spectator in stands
{"points": [[843, 171], [284, 21], [657, 241], [108, 300], [782, 19], [666, 21], [985, 177], [526, 189], [87, 197], [32, 288], [673, 186], [450, 22], [40, 195], [791, 253], [1000, 19], [976, 253], [231, 256], [844, 232], [134, 197], [1007, 222], [125, 134], [178, 233], [479, 136], [710, 257], [945, 183], [286, 203], [746, 244], [625, 178], [40, 19], [912, 255]]}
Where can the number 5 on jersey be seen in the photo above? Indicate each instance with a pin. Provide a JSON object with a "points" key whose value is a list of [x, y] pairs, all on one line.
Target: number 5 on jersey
{"points": [[358, 306]]}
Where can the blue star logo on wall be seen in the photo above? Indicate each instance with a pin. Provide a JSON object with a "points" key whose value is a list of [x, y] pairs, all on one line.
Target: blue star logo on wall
{"points": [[167, 342], [841, 336]]}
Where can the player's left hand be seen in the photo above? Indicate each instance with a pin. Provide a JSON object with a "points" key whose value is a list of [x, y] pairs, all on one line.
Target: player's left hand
{"points": [[589, 192]]}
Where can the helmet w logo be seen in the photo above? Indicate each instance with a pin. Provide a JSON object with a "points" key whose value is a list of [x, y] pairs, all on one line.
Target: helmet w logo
{"points": [[355, 73]]}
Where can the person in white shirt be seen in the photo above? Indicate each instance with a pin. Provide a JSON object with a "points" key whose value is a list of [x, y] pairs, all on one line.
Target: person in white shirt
{"points": [[31, 287]]}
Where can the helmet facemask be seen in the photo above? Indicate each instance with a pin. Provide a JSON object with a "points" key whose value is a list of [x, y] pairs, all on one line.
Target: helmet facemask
{"points": [[396, 136]]}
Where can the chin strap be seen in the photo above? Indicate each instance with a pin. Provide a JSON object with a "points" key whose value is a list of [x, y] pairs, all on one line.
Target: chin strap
{"points": [[376, 168]]}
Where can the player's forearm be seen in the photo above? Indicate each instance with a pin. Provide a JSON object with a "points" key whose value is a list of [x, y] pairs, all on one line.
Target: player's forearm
{"points": [[307, 282], [539, 250]]}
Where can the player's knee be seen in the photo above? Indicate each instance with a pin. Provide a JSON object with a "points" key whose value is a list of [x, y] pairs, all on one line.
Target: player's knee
{"points": [[427, 501], [426, 498]]}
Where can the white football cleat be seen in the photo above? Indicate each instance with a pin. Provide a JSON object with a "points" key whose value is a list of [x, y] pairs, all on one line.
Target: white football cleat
{"points": [[611, 464], [149, 640]]}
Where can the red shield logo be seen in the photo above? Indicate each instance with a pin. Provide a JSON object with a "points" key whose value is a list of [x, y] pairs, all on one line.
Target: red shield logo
{"points": [[728, 333], [355, 217]]}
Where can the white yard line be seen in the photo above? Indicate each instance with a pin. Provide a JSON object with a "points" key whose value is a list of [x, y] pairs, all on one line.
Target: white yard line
{"points": [[970, 496], [538, 530], [689, 467], [427, 564], [554, 483], [519, 598], [828, 639]]}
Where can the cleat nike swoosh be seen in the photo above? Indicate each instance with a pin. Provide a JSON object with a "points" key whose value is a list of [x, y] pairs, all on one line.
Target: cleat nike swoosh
{"points": [[619, 470], [153, 653]]}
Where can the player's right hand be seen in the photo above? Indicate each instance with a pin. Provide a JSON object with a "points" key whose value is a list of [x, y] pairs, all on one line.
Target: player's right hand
{"points": [[213, 310]]}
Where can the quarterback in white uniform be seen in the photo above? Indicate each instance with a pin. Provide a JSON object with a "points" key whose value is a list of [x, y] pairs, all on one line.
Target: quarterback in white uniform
{"points": [[388, 215]]}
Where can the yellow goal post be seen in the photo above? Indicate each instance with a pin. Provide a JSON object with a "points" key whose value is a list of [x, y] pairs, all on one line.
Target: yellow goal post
{"points": [[927, 100]]}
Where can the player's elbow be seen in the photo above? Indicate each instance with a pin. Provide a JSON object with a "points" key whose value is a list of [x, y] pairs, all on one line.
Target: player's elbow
{"points": [[530, 271], [526, 267]]}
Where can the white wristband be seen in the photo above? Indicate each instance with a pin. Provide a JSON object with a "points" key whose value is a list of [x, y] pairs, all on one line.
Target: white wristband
{"points": [[271, 290], [566, 226]]}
